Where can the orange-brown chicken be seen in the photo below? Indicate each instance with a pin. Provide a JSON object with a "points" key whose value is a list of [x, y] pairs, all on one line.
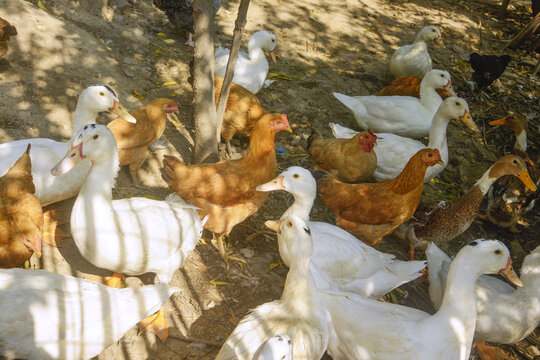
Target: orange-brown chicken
{"points": [[410, 86], [242, 111], [6, 31], [372, 210], [226, 190], [133, 140], [348, 160], [21, 217]]}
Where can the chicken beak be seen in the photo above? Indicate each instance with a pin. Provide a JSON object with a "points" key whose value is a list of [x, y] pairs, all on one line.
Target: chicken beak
{"points": [[439, 162], [34, 247], [276, 184], [272, 55], [468, 120], [500, 121], [121, 111], [73, 156], [509, 273], [526, 178], [273, 225]]}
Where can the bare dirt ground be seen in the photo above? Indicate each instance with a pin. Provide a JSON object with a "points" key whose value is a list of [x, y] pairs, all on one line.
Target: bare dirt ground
{"points": [[323, 46]]}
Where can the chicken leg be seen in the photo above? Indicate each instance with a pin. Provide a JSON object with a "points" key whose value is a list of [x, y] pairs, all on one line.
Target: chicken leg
{"points": [[225, 254]]}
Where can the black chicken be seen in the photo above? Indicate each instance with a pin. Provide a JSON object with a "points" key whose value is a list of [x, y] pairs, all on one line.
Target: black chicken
{"points": [[487, 68], [180, 14]]}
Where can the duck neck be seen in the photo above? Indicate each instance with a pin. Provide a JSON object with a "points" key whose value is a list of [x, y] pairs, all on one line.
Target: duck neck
{"points": [[256, 54], [300, 291], [437, 133], [485, 182], [459, 296], [429, 97], [301, 207], [521, 141], [95, 197], [82, 116]]}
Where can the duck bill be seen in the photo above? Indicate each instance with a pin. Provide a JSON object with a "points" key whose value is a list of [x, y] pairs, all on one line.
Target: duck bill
{"points": [[273, 225], [468, 120], [276, 184], [121, 111], [500, 121], [272, 55], [526, 178], [73, 156], [35, 247], [450, 89], [509, 273]]}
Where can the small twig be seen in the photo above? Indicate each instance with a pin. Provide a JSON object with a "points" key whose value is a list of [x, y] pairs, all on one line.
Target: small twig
{"points": [[205, 342], [480, 31]]}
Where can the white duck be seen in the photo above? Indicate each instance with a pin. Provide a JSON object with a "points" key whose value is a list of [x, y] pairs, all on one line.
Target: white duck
{"points": [[47, 152], [402, 115], [299, 313], [52, 316], [414, 59], [251, 67], [338, 255], [364, 328], [132, 236], [394, 151], [505, 315], [278, 347]]}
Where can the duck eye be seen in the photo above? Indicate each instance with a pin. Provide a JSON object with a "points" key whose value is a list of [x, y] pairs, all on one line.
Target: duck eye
{"points": [[498, 252], [457, 103], [95, 137], [296, 176], [101, 93], [515, 162], [73, 155], [289, 224]]}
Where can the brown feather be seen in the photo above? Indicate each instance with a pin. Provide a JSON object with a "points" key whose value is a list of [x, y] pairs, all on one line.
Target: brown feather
{"points": [[408, 86]]}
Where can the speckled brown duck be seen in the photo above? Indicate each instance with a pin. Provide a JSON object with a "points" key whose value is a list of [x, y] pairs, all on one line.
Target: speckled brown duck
{"points": [[443, 221], [509, 198]]}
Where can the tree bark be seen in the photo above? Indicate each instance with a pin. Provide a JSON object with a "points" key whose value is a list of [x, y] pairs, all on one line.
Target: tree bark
{"points": [[206, 149], [231, 64]]}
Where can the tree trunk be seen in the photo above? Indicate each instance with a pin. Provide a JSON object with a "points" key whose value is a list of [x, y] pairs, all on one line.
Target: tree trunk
{"points": [[233, 56], [206, 149]]}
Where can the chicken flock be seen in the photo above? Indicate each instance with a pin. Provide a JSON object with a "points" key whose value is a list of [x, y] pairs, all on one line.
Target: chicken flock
{"points": [[371, 179]]}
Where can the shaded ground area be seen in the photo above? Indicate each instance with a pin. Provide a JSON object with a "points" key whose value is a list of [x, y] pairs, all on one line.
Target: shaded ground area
{"points": [[323, 46]]}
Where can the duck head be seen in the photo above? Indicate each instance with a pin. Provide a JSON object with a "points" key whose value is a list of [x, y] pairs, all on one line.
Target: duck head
{"points": [[98, 98], [266, 41], [454, 108], [295, 179]]}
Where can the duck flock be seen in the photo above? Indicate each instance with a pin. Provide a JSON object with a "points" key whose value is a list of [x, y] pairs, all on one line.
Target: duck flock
{"points": [[371, 179]]}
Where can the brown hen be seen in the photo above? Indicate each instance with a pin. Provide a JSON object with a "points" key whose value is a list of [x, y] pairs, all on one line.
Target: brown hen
{"points": [[6, 31], [410, 86], [242, 111], [348, 160], [226, 190], [372, 210], [134, 139], [21, 217]]}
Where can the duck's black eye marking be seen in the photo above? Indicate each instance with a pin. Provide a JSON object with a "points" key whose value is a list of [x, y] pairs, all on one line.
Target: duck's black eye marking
{"points": [[296, 176], [95, 137], [280, 338], [111, 90], [307, 230], [80, 136], [498, 252], [85, 127], [290, 341], [93, 126], [474, 243]]}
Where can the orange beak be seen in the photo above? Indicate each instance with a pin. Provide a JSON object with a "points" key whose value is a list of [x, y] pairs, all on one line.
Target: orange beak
{"points": [[468, 120], [276, 184], [509, 273], [501, 121], [272, 55], [273, 225], [526, 178]]}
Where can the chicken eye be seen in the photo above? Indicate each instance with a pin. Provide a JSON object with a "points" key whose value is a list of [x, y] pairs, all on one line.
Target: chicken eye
{"points": [[101, 93], [95, 137], [430, 155], [296, 176], [498, 252]]}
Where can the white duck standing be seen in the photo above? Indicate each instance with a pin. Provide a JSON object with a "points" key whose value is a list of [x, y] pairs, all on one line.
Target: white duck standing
{"points": [[401, 115], [132, 236], [505, 315], [414, 59], [349, 263], [299, 313], [251, 67], [52, 316], [363, 328], [394, 151], [47, 152]]}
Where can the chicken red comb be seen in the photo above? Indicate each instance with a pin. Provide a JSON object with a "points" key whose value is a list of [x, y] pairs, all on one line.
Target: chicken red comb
{"points": [[436, 151], [371, 133], [284, 117]]}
